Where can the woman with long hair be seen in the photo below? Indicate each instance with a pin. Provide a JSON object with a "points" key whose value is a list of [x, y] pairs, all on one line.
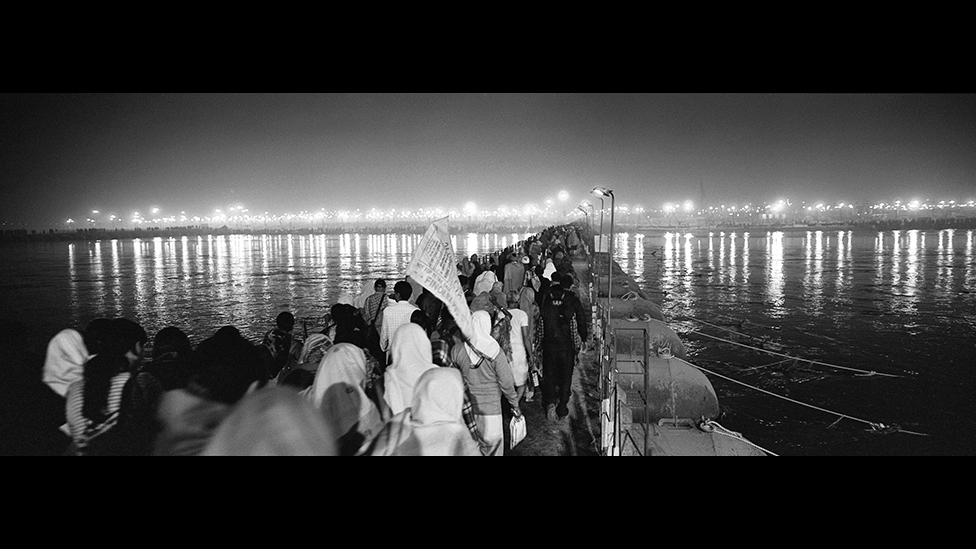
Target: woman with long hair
{"points": [[107, 414]]}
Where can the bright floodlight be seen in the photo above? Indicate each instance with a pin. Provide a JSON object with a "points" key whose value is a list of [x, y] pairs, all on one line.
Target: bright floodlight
{"points": [[470, 208], [602, 191], [155, 210], [688, 205], [563, 196]]}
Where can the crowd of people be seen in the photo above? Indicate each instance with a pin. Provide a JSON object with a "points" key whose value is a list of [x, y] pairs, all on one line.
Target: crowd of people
{"points": [[390, 374]]}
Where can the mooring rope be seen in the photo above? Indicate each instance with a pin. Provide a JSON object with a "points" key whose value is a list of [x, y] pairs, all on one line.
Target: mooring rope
{"points": [[865, 372], [712, 426], [875, 426]]}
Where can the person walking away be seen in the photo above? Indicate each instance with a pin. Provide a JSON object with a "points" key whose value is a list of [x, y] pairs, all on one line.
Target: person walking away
{"points": [[372, 313], [521, 342], [558, 344], [339, 391], [433, 424], [412, 355], [513, 275], [489, 378], [395, 315], [441, 345]]}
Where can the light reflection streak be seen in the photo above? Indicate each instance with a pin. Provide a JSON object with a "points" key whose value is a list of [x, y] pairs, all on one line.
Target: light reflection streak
{"points": [[139, 277], [745, 259], [711, 253], [970, 271], [944, 270], [73, 282], [813, 279], [912, 275], [724, 276], [879, 256], [345, 252], [896, 259], [688, 272], [774, 274], [98, 274], [159, 275], [116, 275], [623, 251], [842, 282], [639, 259]]}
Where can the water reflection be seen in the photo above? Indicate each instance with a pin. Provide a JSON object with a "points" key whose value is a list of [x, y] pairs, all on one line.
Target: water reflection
{"points": [[688, 274], [745, 258], [813, 278], [732, 258], [896, 259], [724, 276], [73, 282], [912, 273], [639, 259], [970, 271], [139, 279], [774, 274], [116, 275], [98, 274]]}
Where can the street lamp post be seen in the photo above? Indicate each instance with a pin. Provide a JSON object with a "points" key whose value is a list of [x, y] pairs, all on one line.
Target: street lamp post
{"points": [[585, 213], [602, 192], [601, 223]]}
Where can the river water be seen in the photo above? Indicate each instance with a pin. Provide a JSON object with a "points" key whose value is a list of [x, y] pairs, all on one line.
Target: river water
{"points": [[901, 303]]}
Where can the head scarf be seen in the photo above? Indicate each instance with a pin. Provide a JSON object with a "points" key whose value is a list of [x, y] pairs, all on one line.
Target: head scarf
{"points": [[437, 426], [482, 340], [345, 299], [360, 300], [411, 356], [550, 268], [65, 361], [314, 349], [484, 282], [273, 422], [433, 425], [338, 390]]}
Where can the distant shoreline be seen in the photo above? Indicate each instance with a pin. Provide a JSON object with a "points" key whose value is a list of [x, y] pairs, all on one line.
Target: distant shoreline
{"points": [[57, 235]]}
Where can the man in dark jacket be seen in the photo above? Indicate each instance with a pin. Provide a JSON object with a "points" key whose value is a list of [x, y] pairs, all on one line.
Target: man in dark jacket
{"points": [[559, 308]]}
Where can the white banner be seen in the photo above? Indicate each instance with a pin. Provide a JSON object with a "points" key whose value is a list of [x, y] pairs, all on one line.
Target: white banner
{"points": [[434, 266]]}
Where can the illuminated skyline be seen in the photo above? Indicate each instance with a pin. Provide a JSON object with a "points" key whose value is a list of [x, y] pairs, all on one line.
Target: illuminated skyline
{"points": [[68, 154]]}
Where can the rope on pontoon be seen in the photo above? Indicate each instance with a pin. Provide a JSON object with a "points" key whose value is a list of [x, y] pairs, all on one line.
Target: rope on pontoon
{"points": [[876, 427], [807, 360], [712, 426]]}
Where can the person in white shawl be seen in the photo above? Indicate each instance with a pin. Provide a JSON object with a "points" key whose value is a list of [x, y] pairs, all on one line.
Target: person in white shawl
{"points": [[411, 357], [339, 391], [549, 269], [432, 425], [273, 422], [484, 282], [65, 360]]}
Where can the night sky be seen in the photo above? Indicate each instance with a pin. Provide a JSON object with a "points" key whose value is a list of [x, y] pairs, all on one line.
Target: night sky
{"points": [[62, 155]]}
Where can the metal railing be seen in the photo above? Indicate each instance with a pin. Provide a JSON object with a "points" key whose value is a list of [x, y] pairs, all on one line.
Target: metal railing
{"points": [[613, 438]]}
